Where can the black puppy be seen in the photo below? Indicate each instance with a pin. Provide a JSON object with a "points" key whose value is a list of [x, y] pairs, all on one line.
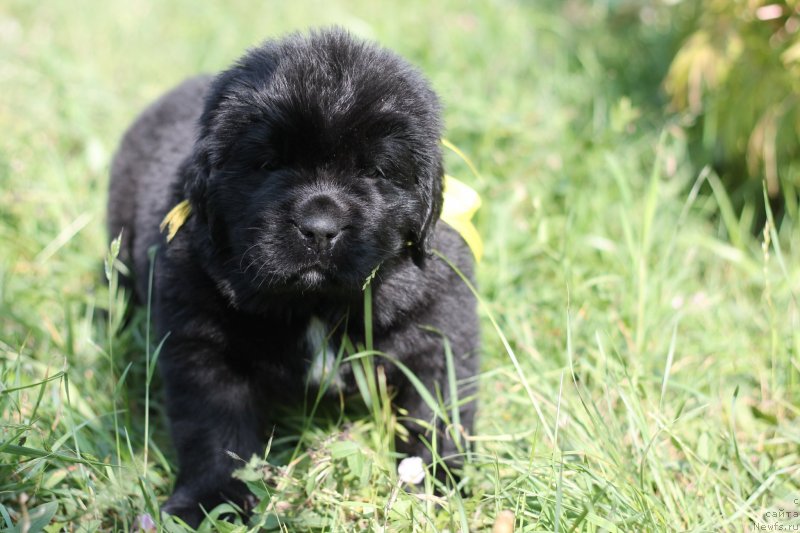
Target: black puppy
{"points": [[309, 164]]}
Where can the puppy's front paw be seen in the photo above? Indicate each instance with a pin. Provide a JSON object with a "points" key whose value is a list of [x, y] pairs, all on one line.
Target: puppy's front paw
{"points": [[192, 509], [185, 507]]}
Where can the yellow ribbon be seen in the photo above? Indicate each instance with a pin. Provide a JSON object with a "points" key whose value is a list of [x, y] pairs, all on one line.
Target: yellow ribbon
{"points": [[175, 219], [461, 202]]}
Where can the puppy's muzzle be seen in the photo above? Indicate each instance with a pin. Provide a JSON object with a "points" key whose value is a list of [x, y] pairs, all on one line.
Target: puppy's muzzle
{"points": [[320, 223]]}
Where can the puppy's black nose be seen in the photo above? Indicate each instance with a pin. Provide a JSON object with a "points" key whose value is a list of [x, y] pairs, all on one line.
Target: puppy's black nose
{"points": [[320, 221], [320, 229]]}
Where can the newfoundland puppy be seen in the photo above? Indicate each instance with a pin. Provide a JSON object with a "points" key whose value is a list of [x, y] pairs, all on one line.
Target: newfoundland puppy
{"points": [[310, 167]]}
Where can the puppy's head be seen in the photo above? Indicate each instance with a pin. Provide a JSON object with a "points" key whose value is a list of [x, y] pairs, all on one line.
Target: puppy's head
{"points": [[318, 159]]}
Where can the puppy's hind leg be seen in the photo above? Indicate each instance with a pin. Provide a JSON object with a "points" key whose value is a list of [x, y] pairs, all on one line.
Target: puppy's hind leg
{"points": [[427, 432]]}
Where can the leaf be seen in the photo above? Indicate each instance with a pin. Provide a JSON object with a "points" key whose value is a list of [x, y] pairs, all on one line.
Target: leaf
{"points": [[343, 448], [792, 54], [40, 516], [113, 252]]}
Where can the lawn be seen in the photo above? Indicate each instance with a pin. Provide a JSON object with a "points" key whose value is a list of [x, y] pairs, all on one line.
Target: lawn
{"points": [[641, 362]]}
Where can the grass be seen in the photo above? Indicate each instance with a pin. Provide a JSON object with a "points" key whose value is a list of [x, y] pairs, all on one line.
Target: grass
{"points": [[641, 346]]}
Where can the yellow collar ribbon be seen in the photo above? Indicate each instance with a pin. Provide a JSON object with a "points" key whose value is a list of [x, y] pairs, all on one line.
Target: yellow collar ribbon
{"points": [[175, 219], [461, 202]]}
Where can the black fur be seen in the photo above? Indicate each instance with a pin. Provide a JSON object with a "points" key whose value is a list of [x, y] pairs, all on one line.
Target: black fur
{"points": [[309, 163]]}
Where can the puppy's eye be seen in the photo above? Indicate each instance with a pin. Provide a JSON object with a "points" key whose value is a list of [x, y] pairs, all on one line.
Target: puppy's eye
{"points": [[269, 166], [377, 172]]}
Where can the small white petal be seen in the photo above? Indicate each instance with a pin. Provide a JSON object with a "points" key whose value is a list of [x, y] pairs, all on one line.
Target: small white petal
{"points": [[769, 12], [411, 470]]}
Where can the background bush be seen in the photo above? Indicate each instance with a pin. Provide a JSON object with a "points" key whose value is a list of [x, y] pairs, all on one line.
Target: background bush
{"points": [[738, 78], [731, 72]]}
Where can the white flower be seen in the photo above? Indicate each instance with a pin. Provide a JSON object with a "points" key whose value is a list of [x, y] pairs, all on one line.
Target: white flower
{"points": [[411, 470], [144, 524]]}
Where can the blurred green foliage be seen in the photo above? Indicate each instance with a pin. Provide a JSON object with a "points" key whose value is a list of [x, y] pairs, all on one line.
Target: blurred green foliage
{"points": [[726, 71], [736, 79]]}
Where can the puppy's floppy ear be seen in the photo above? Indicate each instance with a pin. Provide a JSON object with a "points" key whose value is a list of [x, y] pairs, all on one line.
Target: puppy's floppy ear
{"points": [[196, 173], [197, 170], [431, 189]]}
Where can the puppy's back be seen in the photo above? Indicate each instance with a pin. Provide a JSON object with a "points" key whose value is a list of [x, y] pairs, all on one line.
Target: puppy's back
{"points": [[145, 168]]}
